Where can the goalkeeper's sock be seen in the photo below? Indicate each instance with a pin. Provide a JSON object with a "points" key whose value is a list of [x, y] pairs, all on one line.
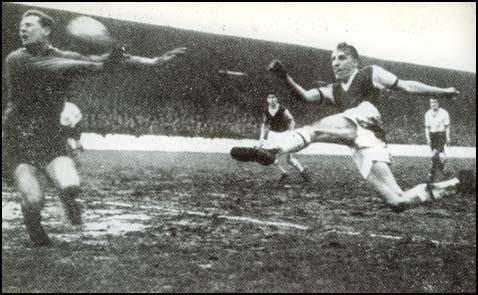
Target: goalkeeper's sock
{"points": [[32, 219], [72, 207]]}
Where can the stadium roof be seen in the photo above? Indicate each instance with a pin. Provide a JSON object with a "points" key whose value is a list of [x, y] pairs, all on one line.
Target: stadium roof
{"points": [[436, 34]]}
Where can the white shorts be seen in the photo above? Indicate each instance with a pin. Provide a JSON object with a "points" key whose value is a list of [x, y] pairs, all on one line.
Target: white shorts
{"points": [[368, 147], [365, 157], [275, 139], [364, 116]]}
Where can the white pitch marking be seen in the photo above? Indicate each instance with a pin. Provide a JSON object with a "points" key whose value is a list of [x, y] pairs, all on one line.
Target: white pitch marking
{"points": [[229, 72], [202, 214], [386, 237], [272, 223], [389, 237]]}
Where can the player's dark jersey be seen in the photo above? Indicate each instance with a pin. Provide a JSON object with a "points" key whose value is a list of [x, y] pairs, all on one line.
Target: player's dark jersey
{"points": [[278, 122], [361, 89], [36, 84]]}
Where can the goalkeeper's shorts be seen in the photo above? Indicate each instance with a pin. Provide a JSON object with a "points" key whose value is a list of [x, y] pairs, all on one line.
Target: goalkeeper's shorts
{"points": [[22, 147]]}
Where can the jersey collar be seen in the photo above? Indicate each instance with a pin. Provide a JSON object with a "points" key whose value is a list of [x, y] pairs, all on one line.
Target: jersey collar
{"points": [[346, 86]]}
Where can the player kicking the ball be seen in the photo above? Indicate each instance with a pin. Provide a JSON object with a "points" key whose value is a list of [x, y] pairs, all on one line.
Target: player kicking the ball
{"points": [[276, 120], [37, 76], [358, 126]]}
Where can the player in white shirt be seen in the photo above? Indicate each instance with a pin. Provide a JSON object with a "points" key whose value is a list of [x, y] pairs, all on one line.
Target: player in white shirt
{"points": [[357, 125], [437, 131]]}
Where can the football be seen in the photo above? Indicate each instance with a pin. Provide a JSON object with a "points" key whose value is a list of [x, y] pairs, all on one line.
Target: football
{"points": [[89, 31]]}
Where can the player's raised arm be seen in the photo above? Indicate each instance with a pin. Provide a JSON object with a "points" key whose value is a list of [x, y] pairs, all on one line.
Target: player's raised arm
{"points": [[65, 65], [75, 63], [385, 79], [312, 95], [91, 31], [415, 87], [139, 61]]}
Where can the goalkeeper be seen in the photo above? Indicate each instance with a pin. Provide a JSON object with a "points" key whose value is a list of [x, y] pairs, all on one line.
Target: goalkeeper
{"points": [[37, 76]]}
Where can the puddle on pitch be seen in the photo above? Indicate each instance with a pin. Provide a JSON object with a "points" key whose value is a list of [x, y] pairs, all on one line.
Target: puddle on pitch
{"points": [[10, 211], [116, 225], [97, 223]]}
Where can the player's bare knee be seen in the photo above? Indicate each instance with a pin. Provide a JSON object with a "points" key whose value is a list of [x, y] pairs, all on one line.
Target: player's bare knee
{"points": [[64, 178], [29, 190]]}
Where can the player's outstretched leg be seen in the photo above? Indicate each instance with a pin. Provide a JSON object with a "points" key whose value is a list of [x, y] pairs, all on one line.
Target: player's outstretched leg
{"points": [[32, 203], [333, 129], [384, 182], [259, 155], [298, 166]]}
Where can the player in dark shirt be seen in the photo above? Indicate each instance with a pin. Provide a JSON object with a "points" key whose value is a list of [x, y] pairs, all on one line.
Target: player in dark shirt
{"points": [[278, 119], [359, 125], [37, 76]]}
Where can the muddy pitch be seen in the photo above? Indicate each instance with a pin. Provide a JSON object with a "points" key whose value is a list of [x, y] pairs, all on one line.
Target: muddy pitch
{"points": [[185, 222]]}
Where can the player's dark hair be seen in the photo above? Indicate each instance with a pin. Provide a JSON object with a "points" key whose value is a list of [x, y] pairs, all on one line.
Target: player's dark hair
{"points": [[45, 19], [349, 50]]}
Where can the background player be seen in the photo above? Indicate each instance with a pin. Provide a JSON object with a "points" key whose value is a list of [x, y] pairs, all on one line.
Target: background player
{"points": [[70, 121], [359, 125], [437, 131], [37, 76], [277, 119]]}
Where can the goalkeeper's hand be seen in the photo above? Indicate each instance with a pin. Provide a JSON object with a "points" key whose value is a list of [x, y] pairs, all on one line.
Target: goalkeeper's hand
{"points": [[115, 56]]}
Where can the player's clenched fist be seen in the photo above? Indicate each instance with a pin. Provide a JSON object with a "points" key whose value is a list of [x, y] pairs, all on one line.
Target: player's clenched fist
{"points": [[278, 69], [452, 92], [115, 56]]}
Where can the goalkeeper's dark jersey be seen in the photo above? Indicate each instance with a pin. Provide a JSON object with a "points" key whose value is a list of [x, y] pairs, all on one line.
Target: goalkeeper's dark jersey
{"points": [[36, 85]]}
